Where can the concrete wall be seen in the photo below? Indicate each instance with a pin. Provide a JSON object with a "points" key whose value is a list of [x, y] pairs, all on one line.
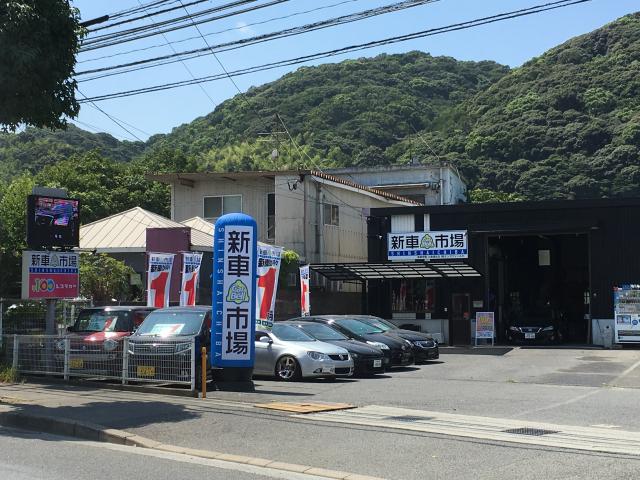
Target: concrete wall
{"points": [[187, 202], [453, 189]]}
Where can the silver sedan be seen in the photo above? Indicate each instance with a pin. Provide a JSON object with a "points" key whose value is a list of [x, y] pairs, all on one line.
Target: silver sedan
{"points": [[288, 353]]}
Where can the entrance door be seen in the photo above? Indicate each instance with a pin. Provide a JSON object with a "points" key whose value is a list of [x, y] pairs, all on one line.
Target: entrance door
{"points": [[460, 329]]}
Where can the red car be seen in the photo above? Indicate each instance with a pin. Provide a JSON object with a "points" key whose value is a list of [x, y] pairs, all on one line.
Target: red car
{"points": [[95, 339]]}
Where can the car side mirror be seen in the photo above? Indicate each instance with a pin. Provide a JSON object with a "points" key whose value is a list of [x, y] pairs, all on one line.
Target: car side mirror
{"points": [[266, 340]]}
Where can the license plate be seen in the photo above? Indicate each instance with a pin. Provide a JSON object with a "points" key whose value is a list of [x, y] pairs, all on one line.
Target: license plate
{"points": [[328, 369], [530, 336], [377, 363], [76, 363], [144, 371]]}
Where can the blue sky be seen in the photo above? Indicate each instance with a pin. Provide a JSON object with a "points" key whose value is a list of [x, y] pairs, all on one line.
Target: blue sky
{"points": [[511, 42]]}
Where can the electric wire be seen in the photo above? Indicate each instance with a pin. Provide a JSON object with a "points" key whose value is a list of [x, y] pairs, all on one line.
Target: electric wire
{"points": [[142, 17], [345, 19], [353, 48], [253, 24], [136, 34], [110, 117]]}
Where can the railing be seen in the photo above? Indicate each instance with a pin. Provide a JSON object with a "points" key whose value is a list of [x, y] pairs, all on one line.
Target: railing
{"points": [[154, 360]]}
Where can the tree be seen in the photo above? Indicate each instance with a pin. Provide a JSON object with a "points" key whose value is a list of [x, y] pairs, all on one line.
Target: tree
{"points": [[484, 195], [13, 215], [40, 39], [104, 278]]}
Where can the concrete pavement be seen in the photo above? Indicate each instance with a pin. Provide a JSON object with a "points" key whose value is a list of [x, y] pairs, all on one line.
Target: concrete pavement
{"points": [[522, 385]]}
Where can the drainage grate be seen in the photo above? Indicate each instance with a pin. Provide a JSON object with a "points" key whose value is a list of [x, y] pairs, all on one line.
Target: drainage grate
{"points": [[534, 432], [408, 418]]}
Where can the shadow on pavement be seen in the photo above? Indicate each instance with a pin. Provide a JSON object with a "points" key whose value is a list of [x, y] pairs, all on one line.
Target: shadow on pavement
{"points": [[121, 415]]}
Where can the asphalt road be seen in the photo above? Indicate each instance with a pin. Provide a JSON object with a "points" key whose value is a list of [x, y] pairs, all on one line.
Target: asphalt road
{"points": [[570, 387], [28, 455]]}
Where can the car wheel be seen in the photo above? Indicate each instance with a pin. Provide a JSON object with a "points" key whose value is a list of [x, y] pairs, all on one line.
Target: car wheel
{"points": [[287, 368]]}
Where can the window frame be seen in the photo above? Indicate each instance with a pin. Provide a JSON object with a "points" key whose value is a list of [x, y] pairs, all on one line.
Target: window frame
{"points": [[222, 197], [271, 228], [334, 213]]}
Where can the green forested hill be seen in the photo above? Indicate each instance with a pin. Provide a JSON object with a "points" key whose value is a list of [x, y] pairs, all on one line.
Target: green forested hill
{"points": [[564, 125], [346, 113], [34, 148]]}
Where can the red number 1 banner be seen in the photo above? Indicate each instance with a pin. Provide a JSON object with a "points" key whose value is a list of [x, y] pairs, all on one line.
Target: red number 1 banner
{"points": [[269, 258], [190, 275], [159, 279]]}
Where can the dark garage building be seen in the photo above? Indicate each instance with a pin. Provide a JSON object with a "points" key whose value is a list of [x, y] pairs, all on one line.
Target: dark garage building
{"points": [[554, 260]]}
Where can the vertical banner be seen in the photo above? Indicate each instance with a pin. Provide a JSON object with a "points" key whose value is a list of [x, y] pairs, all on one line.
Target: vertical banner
{"points": [[234, 288], [159, 279], [269, 258], [190, 277], [305, 307]]}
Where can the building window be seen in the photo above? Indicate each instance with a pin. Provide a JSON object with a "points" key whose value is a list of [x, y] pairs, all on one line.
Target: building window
{"points": [[214, 207], [271, 216], [331, 214], [413, 296], [292, 279]]}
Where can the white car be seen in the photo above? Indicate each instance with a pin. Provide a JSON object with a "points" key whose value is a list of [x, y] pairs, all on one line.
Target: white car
{"points": [[289, 354]]}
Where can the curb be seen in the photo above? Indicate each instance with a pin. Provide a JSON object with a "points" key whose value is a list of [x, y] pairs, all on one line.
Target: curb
{"points": [[99, 433]]}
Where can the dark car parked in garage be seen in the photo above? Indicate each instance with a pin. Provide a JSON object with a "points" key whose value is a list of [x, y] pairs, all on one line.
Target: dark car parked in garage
{"points": [[397, 351], [424, 346], [533, 329], [366, 359]]}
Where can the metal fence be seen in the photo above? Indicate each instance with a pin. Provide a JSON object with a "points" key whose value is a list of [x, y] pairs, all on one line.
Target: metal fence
{"points": [[155, 360], [24, 317]]}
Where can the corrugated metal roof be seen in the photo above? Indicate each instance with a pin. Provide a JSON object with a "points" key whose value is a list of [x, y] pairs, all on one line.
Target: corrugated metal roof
{"points": [[199, 223], [127, 232]]}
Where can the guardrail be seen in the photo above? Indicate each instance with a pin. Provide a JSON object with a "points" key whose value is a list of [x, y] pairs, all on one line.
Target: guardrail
{"points": [[153, 360]]}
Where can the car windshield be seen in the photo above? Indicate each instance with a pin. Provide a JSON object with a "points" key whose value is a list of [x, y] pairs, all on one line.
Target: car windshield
{"points": [[322, 332], [102, 321], [358, 327], [288, 333], [169, 324], [379, 323]]}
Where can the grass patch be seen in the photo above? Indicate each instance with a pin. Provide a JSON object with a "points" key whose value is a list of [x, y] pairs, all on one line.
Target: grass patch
{"points": [[8, 374]]}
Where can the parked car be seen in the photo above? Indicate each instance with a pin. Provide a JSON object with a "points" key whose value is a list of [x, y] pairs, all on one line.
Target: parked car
{"points": [[397, 351], [367, 359], [424, 346], [289, 353], [160, 349], [95, 338], [533, 329]]}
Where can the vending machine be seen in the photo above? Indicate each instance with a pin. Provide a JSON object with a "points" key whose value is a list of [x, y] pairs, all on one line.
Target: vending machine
{"points": [[626, 302]]}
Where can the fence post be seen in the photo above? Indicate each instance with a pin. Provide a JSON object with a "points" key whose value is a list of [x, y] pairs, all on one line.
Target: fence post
{"points": [[193, 364], [67, 354], [15, 351], [125, 360]]}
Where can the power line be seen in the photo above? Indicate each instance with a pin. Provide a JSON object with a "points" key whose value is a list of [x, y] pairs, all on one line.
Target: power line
{"points": [[146, 15], [349, 49], [345, 19], [262, 22], [185, 65], [109, 116], [130, 35]]}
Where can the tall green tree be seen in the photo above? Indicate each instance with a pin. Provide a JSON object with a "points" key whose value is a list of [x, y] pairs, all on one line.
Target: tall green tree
{"points": [[39, 40], [104, 278]]}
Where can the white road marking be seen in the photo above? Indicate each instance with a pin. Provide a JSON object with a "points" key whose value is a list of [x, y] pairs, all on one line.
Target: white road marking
{"points": [[590, 439], [626, 372]]}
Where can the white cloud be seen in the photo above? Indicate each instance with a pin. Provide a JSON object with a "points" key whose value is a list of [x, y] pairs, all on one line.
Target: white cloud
{"points": [[244, 29]]}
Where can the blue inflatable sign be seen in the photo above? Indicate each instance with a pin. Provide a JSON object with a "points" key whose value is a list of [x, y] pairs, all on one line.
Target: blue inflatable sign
{"points": [[234, 291]]}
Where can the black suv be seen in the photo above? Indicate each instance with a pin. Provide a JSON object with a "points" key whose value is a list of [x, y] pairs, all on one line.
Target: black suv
{"points": [[161, 348]]}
